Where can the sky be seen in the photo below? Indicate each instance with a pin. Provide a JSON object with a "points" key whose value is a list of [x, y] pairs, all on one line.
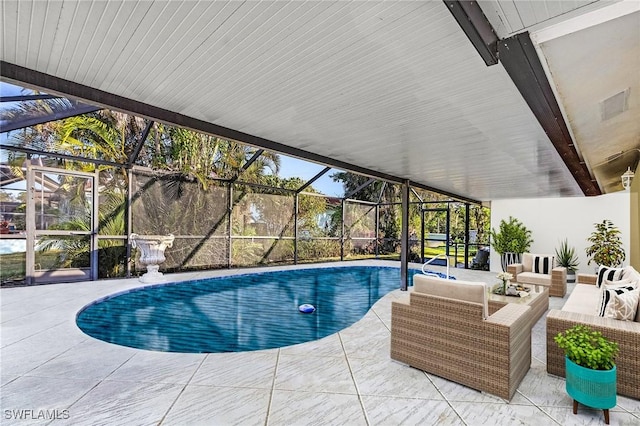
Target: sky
{"points": [[7, 89], [292, 167]]}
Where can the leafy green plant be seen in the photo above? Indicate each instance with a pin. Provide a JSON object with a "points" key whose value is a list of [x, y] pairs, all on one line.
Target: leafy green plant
{"points": [[566, 256], [606, 246], [587, 348], [512, 237]]}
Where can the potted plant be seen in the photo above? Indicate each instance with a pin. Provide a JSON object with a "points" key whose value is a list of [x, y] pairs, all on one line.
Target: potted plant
{"points": [[510, 241], [567, 258], [606, 247], [590, 368], [505, 281]]}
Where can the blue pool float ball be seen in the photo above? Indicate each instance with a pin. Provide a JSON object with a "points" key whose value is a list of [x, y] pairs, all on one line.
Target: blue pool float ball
{"points": [[306, 308]]}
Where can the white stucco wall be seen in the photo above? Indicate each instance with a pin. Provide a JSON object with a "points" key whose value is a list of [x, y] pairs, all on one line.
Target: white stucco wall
{"points": [[553, 219]]}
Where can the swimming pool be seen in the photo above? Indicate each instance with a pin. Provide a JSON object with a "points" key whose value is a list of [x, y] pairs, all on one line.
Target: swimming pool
{"points": [[240, 312]]}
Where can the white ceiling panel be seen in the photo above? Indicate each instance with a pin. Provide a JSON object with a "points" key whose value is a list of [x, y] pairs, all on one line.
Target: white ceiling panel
{"points": [[392, 86], [510, 17], [612, 67]]}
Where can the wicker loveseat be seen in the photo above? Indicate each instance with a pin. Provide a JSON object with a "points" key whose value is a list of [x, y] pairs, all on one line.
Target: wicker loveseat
{"points": [[444, 329], [581, 308], [539, 270]]}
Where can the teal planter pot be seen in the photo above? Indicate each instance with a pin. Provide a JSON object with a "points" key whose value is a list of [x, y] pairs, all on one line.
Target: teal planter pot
{"points": [[593, 388]]}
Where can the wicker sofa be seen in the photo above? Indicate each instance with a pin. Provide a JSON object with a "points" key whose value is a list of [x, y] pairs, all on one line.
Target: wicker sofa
{"points": [[444, 329], [581, 308], [552, 277]]}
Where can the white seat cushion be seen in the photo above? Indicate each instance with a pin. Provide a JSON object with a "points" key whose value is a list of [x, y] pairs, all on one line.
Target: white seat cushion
{"points": [[584, 299], [534, 279]]}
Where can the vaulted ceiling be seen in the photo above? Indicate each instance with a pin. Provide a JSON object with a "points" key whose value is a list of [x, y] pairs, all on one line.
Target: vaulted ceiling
{"points": [[393, 88]]}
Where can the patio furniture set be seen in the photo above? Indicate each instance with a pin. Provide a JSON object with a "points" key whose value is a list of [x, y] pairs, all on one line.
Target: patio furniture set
{"points": [[461, 331]]}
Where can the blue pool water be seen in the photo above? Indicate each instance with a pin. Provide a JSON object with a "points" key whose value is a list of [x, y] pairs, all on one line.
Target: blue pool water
{"points": [[239, 313]]}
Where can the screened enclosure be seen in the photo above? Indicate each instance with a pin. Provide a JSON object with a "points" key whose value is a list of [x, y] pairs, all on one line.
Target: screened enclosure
{"points": [[73, 189]]}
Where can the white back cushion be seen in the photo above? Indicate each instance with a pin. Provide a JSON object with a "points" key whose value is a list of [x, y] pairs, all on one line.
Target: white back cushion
{"points": [[630, 273], [467, 291], [527, 262]]}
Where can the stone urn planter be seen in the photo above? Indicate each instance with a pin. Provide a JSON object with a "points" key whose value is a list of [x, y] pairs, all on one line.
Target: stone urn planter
{"points": [[152, 249]]}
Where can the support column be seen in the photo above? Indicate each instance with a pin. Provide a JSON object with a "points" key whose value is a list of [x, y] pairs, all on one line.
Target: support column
{"points": [[467, 207], [30, 222], [377, 229], [95, 207], [344, 214], [404, 238], [229, 224], [295, 229], [422, 235], [128, 220]]}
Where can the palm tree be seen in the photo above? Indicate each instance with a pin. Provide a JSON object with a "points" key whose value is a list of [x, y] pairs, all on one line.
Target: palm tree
{"points": [[187, 153], [233, 157], [42, 136]]}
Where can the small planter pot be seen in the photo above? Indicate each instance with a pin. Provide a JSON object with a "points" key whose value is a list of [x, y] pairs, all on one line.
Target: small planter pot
{"points": [[593, 388], [509, 258], [571, 277]]}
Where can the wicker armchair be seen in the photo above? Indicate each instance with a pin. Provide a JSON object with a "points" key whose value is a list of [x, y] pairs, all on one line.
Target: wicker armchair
{"points": [[444, 329], [524, 273]]}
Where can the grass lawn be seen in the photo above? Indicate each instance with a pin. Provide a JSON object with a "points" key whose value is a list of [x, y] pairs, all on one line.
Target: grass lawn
{"points": [[12, 265], [435, 251]]}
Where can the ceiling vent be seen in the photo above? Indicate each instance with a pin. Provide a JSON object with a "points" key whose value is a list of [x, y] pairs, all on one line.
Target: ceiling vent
{"points": [[615, 105]]}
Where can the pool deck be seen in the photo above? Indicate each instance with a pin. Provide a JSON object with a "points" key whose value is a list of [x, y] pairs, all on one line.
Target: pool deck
{"points": [[347, 378]]}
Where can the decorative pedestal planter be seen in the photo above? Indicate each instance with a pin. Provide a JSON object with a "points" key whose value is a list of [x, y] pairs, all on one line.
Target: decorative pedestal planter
{"points": [[151, 254], [509, 258], [593, 388]]}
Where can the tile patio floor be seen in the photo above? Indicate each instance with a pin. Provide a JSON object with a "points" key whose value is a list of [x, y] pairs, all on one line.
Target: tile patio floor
{"points": [[347, 378]]}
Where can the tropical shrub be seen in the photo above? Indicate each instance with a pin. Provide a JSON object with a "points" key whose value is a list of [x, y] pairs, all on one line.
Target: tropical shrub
{"points": [[512, 237], [606, 247], [587, 348]]}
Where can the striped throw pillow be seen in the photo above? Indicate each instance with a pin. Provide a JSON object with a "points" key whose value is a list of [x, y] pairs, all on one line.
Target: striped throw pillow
{"points": [[542, 264], [607, 273], [606, 296]]}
